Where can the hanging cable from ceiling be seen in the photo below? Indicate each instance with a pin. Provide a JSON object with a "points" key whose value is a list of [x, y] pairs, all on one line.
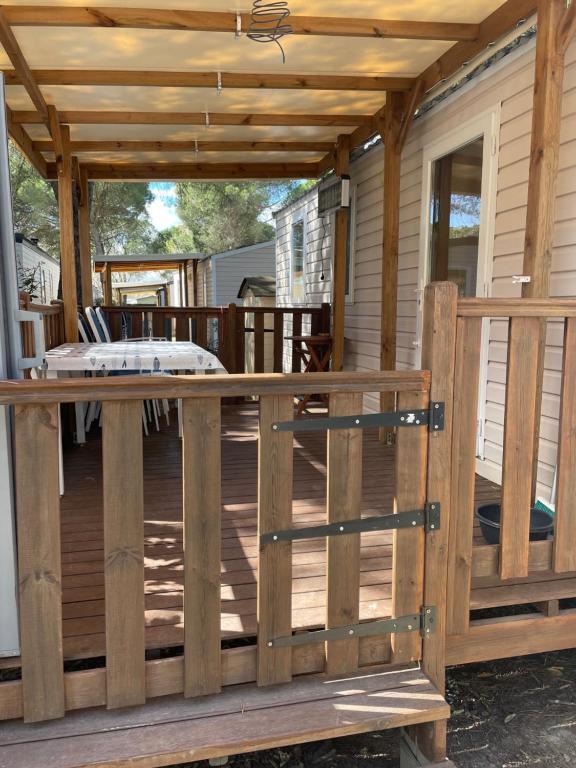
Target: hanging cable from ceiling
{"points": [[268, 22]]}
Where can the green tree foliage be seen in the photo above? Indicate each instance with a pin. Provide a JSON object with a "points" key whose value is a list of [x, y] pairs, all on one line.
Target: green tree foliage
{"points": [[119, 218], [225, 215], [34, 204]]}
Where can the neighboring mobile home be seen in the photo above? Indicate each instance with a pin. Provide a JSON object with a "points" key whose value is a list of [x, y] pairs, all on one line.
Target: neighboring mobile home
{"points": [[219, 276], [38, 272], [471, 146]]}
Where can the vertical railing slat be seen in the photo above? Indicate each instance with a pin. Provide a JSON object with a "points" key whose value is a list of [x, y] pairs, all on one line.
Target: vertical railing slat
{"points": [[258, 342], [202, 330], [465, 423], [38, 512], [201, 458], [274, 601], [158, 324], [565, 525], [296, 345], [408, 549], [136, 324], [343, 553], [182, 327], [520, 423], [123, 552], [278, 341]]}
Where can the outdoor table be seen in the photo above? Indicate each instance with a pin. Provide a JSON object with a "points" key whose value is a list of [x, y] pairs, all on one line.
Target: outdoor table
{"points": [[150, 357]]}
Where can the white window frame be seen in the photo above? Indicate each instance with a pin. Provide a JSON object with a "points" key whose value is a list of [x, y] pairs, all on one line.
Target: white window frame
{"points": [[486, 125], [299, 216]]}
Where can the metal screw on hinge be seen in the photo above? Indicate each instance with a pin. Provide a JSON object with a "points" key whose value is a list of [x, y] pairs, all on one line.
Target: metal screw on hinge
{"points": [[437, 405], [275, 538], [357, 421], [350, 631], [270, 644]]}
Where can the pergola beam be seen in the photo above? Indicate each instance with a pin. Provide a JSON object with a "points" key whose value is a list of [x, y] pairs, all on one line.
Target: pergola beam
{"points": [[501, 21], [100, 117], [214, 21], [567, 27], [189, 146], [225, 80], [26, 144], [10, 45], [191, 171]]}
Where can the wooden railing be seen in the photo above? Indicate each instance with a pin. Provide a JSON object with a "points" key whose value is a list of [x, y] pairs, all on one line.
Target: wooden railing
{"points": [[128, 679], [52, 320], [516, 556], [224, 330]]}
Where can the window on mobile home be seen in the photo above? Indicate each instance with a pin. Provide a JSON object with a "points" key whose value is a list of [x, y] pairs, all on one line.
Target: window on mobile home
{"points": [[297, 259]]}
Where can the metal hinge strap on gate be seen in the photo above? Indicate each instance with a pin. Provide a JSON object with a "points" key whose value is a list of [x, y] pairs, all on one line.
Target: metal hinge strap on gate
{"points": [[429, 518], [433, 417], [423, 622]]}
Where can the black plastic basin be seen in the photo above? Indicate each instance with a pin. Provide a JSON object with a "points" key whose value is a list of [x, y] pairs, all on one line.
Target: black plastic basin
{"points": [[541, 523]]}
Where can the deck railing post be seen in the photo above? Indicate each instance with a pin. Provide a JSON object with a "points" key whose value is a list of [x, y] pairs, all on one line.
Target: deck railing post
{"points": [[438, 356]]}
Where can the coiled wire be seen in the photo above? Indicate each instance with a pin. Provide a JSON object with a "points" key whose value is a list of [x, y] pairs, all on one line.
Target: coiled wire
{"points": [[267, 22]]}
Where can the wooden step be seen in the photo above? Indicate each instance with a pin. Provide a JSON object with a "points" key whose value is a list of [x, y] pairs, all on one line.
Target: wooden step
{"points": [[241, 719]]}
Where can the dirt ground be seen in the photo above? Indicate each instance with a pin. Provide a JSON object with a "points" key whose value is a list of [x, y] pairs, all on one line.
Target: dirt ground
{"points": [[514, 713]]}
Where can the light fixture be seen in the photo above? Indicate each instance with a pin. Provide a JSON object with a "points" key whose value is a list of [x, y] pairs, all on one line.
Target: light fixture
{"points": [[268, 22]]}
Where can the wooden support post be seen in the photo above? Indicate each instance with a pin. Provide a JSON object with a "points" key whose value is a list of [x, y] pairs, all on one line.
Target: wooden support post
{"points": [[84, 232], [543, 172], [61, 137], [438, 356], [339, 266], [390, 128]]}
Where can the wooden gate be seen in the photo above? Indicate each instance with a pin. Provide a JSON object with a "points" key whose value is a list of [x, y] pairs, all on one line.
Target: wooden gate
{"points": [[363, 656]]}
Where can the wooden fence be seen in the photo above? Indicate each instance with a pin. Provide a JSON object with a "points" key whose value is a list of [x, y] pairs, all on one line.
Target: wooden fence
{"points": [[516, 560], [224, 329]]}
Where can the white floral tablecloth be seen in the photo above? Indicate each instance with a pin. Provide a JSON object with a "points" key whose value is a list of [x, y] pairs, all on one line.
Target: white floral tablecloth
{"points": [[152, 356]]}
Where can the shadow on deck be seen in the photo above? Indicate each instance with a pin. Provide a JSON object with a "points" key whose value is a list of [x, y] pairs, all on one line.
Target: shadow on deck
{"points": [[82, 534]]}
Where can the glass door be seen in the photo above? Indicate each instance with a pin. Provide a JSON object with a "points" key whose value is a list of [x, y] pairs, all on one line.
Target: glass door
{"points": [[455, 208], [460, 175]]}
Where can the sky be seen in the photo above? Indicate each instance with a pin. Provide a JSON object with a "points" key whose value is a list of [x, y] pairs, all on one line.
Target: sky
{"points": [[162, 209]]}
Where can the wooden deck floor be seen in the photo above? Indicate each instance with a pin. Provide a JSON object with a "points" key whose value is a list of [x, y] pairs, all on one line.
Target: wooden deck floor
{"points": [[82, 535]]}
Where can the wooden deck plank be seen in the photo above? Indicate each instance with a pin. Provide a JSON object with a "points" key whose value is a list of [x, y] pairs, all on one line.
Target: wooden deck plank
{"points": [[82, 534], [242, 719]]}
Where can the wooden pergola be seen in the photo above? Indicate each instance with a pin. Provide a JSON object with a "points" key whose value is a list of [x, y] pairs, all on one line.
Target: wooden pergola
{"points": [[113, 107], [180, 263]]}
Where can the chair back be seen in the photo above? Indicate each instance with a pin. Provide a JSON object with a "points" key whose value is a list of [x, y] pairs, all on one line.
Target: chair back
{"points": [[95, 325], [104, 324], [84, 329]]}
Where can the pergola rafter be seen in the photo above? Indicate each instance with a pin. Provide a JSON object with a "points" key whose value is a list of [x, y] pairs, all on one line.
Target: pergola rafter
{"points": [[223, 80], [215, 21]]}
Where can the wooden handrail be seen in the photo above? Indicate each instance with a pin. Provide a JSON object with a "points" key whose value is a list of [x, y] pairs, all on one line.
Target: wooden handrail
{"points": [[37, 391], [516, 307]]}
